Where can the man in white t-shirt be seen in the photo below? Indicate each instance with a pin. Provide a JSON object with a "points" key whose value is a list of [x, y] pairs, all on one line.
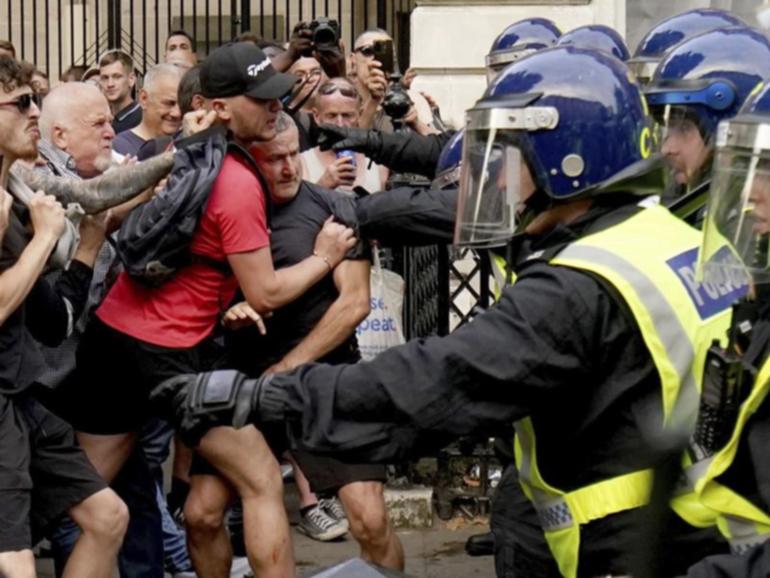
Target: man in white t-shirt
{"points": [[337, 102]]}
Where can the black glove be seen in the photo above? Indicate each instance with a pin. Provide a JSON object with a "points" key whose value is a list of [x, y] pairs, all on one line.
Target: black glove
{"points": [[195, 403], [339, 138]]}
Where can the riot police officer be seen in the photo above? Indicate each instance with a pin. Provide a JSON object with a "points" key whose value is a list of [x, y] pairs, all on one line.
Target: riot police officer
{"points": [[733, 436], [518, 40], [675, 30], [592, 351], [699, 83], [596, 37]]}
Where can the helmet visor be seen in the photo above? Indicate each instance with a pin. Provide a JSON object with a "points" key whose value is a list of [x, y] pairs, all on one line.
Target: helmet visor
{"points": [[734, 252], [685, 145], [489, 189], [683, 109], [498, 60], [495, 180]]}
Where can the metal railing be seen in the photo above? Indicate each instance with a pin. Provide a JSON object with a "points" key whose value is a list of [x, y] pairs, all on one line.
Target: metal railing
{"points": [[55, 34]]}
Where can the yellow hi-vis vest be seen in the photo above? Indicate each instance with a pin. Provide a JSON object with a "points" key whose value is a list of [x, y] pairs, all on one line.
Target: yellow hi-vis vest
{"points": [[650, 259], [502, 275], [741, 522]]}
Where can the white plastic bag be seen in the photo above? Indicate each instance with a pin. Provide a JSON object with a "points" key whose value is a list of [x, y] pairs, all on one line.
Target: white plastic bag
{"points": [[382, 327]]}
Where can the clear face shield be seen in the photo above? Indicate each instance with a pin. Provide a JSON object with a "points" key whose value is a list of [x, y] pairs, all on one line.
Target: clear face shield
{"points": [[734, 252], [685, 147], [685, 143], [494, 178]]}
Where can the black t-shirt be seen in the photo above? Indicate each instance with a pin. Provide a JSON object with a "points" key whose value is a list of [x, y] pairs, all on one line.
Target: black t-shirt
{"points": [[294, 227], [43, 315], [127, 118]]}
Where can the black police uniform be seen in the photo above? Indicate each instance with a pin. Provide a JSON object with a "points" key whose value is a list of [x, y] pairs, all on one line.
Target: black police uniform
{"points": [[749, 473], [558, 334], [401, 152]]}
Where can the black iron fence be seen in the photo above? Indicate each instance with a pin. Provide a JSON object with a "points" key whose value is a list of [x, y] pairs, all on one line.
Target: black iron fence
{"points": [[55, 34], [443, 286]]}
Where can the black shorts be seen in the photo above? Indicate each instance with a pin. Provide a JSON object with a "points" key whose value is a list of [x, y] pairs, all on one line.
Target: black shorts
{"points": [[110, 389], [43, 472], [325, 474]]}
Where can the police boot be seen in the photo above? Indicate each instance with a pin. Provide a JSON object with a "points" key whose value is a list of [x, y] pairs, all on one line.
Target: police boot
{"points": [[480, 544]]}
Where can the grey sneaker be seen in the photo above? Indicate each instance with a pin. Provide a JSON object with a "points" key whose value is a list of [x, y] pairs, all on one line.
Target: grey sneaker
{"points": [[319, 525], [333, 507]]}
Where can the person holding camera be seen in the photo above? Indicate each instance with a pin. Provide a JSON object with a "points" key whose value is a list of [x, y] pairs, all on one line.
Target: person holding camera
{"points": [[337, 103], [372, 64], [315, 53]]}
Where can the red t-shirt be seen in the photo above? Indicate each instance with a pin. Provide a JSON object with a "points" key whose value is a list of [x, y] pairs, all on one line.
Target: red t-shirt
{"points": [[184, 311]]}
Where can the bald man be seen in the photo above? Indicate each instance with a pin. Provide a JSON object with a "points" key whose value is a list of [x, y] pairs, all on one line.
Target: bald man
{"points": [[76, 128], [77, 135], [160, 109]]}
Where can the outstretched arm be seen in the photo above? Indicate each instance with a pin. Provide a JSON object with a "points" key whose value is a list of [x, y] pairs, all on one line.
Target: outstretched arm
{"points": [[95, 195], [508, 362]]}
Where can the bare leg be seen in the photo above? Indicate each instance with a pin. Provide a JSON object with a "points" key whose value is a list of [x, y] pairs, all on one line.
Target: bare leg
{"points": [[244, 458], [102, 518], [364, 503], [182, 461], [207, 539], [108, 453], [306, 496], [17, 564]]}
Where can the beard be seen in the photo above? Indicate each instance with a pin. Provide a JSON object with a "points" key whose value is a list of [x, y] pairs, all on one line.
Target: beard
{"points": [[103, 162], [27, 151]]}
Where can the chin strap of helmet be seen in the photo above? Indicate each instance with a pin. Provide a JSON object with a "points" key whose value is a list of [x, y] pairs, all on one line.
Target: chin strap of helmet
{"points": [[538, 202]]}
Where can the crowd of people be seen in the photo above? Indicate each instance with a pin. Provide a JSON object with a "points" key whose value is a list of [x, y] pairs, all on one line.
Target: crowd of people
{"points": [[186, 256]]}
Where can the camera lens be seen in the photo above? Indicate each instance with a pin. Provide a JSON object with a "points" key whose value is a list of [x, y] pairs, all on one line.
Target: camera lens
{"points": [[324, 36]]}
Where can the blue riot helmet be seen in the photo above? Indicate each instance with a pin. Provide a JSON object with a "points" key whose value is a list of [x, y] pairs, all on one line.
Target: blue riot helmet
{"points": [[596, 37], [699, 83], [738, 215], [671, 31], [518, 40], [448, 166], [561, 124]]}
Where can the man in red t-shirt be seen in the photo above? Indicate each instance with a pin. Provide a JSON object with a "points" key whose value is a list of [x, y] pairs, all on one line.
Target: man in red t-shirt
{"points": [[141, 336]]}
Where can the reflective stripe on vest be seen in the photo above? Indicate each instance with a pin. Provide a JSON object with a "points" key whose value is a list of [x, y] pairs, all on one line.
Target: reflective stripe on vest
{"points": [[502, 274], [739, 520], [650, 260]]}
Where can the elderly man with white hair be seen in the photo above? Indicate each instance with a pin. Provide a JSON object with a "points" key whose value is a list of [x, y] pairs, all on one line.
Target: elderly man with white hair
{"points": [[76, 130], [160, 110], [77, 134]]}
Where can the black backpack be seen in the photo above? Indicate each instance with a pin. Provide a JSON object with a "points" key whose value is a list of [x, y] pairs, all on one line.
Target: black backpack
{"points": [[153, 242]]}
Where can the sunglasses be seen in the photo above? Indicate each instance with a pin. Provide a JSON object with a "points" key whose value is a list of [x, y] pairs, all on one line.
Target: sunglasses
{"points": [[367, 51], [24, 102], [331, 88]]}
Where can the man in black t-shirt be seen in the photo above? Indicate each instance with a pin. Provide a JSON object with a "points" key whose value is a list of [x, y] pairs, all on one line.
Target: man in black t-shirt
{"points": [[43, 472], [318, 326], [117, 79]]}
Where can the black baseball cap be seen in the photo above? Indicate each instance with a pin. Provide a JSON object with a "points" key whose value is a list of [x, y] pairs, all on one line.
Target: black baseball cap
{"points": [[242, 68]]}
